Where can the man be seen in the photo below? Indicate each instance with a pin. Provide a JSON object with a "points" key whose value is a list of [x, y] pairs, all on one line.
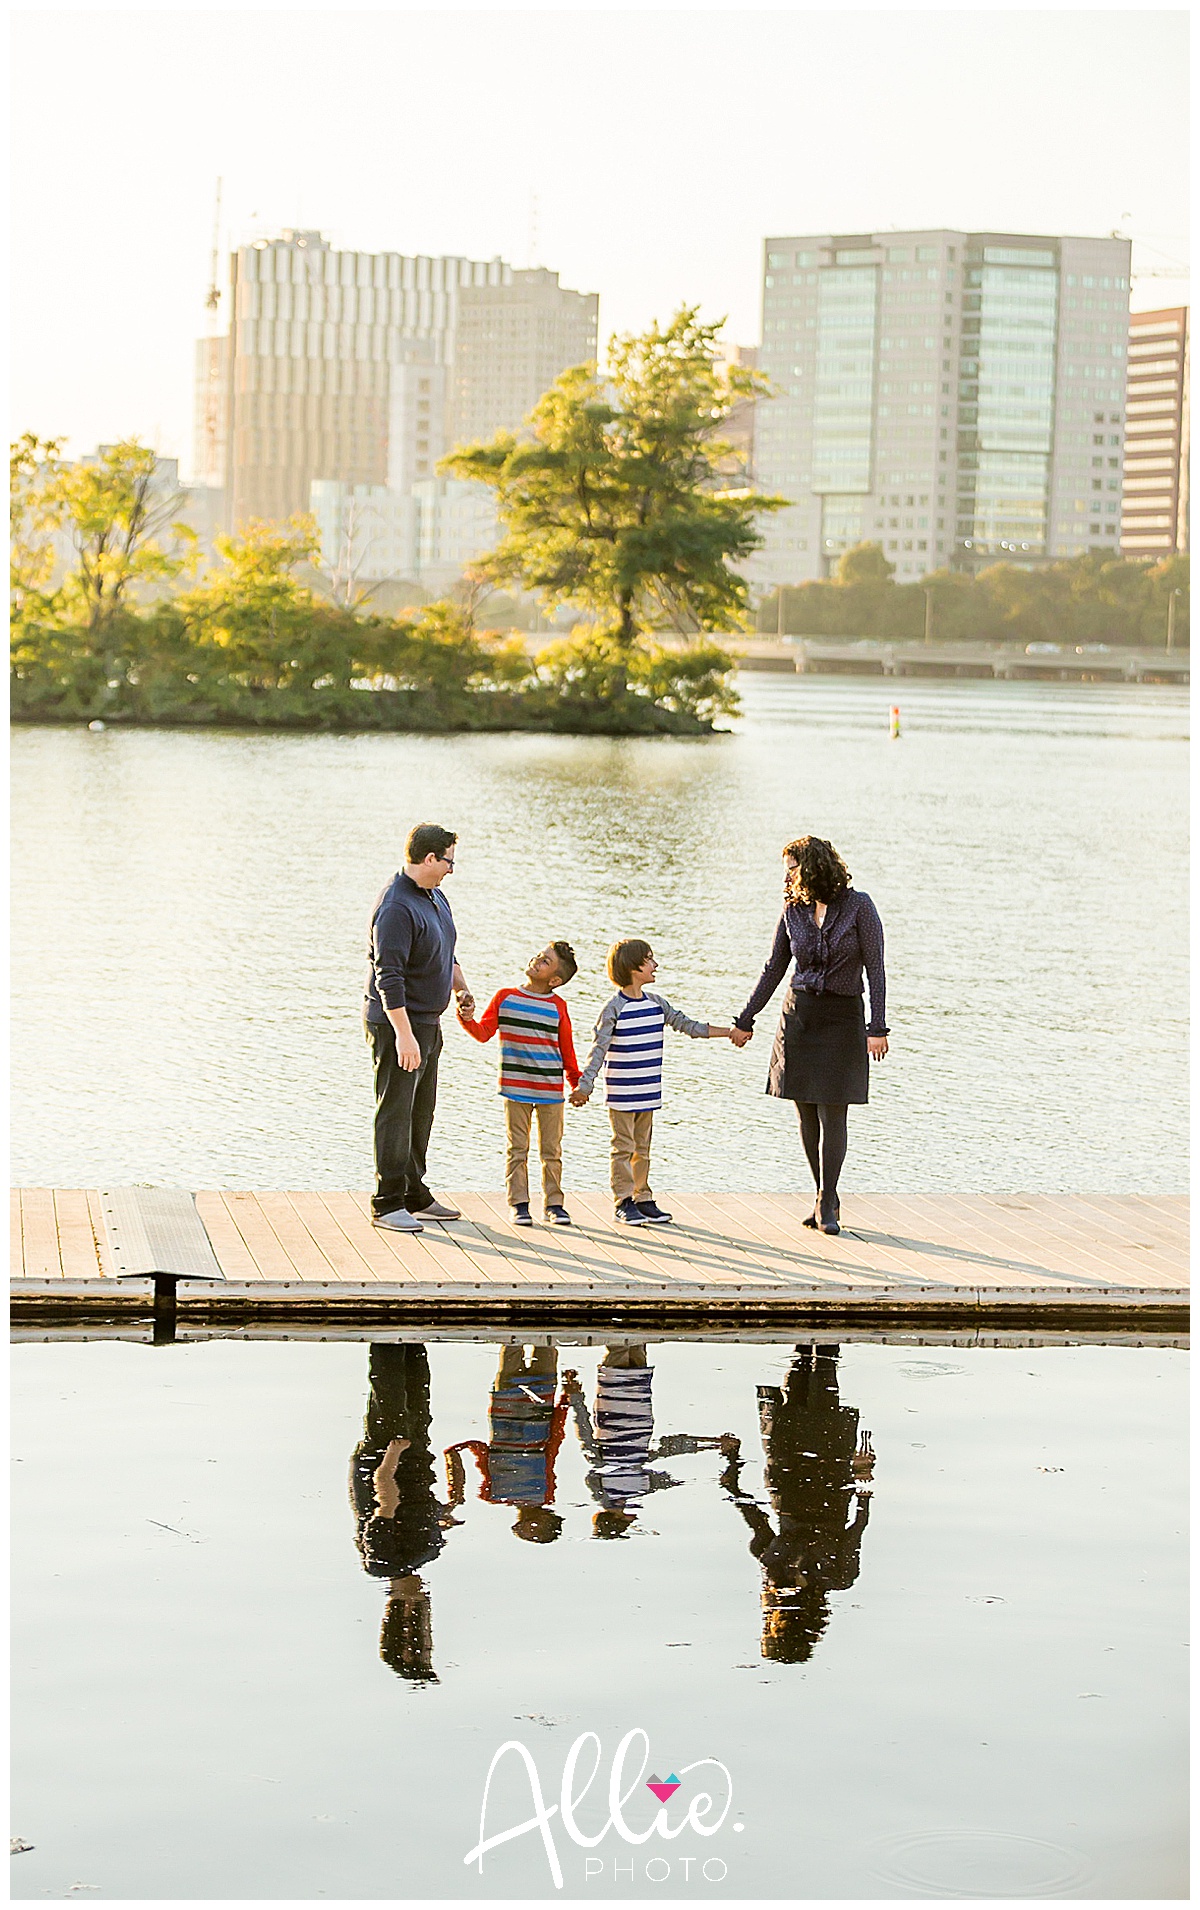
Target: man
{"points": [[411, 971]]}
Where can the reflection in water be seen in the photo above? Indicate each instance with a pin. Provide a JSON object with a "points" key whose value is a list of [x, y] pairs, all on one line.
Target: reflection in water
{"points": [[618, 1440], [814, 1458], [400, 1523], [516, 1466]]}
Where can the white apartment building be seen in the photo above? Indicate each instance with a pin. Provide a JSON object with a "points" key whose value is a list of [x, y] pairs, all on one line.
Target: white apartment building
{"points": [[365, 367], [957, 397], [368, 532], [456, 523]]}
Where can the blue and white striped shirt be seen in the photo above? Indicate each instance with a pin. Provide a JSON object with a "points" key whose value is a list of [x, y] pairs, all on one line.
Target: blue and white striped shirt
{"points": [[633, 1064], [629, 1042]]}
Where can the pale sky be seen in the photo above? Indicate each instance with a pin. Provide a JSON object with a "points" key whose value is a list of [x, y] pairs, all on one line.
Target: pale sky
{"points": [[661, 146]]}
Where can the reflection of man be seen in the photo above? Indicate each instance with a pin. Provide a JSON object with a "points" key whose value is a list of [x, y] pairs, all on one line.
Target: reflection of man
{"points": [[619, 1441], [411, 971], [814, 1460], [400, 1524], [516, 1465]]}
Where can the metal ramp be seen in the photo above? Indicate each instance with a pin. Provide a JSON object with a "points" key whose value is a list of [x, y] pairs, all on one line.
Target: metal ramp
{"points": [[155, 1233]]}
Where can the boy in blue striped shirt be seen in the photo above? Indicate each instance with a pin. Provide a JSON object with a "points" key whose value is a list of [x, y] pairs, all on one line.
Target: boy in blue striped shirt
{"points": [[629, 1043]]}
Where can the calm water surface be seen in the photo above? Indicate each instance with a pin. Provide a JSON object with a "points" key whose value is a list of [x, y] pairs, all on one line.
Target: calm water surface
{"points": [[190, 922], [970, 1683]]}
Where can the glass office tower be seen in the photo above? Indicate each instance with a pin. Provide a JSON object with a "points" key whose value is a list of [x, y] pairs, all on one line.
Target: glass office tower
{"points": [[956, 397]]}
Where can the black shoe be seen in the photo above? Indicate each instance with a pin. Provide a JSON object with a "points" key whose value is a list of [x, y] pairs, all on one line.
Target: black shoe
{"points": [[814, 1219], [558, 1216], [630, 1214], [651, 1211], [828, 1214], [521, 1216]]}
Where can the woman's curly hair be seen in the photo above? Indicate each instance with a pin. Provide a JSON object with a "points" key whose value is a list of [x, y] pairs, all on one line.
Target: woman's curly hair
{"points": [[820, 875]]}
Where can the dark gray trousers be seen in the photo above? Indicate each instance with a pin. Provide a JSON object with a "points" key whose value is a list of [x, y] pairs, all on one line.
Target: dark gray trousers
{"points": [[404, 1105]]}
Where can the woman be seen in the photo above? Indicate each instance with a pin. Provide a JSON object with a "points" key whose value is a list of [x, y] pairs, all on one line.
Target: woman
{"points": [[833, 932]]}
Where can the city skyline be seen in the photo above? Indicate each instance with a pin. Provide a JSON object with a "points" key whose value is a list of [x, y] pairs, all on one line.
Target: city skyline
{"points": [[397, 162]]}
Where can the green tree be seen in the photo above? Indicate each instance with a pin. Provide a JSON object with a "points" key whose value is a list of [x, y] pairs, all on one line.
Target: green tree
{"points": [[864, 564], [32, 519], [255, 619], [125, 526], [616, 504]]}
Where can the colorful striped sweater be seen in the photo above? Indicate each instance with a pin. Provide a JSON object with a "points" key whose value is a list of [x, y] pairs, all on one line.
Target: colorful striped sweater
{"points": [[536, 1045]]}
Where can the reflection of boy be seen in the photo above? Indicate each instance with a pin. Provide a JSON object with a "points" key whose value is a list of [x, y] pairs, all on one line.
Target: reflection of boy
{"points": [[619, 1439], [516, 1465], [815, 1458], [536, 1051], [399, 1522]]}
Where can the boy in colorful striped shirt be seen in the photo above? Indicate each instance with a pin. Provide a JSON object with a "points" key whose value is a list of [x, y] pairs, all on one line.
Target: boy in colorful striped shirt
{"points": [[629, 1043], [536, 1050]]}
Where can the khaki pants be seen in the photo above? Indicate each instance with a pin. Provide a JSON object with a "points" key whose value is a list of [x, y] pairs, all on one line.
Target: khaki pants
{"points": [[518, 1116], [631, 1130]]}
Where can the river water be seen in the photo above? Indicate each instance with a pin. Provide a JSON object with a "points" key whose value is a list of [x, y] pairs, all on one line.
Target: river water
{"points": [[190, 923], [971, 1683], [922, 1606]]}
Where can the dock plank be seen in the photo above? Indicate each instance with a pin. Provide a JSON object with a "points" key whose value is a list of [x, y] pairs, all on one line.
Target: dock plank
{"points": [[40, 1259], [76, 1240]]}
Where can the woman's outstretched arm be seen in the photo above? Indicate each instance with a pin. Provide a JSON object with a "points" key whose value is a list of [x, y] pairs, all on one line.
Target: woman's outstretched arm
{"points": [[769, 980]]}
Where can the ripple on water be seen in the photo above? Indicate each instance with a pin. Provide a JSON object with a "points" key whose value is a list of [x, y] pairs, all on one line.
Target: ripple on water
{"points": [[978, 1863]]}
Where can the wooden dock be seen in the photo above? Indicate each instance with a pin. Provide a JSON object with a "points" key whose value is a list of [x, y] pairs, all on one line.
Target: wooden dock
{"points": [[907, 1258]]}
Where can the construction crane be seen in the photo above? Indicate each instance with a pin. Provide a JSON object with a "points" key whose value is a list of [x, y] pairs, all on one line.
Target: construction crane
{"points": [[214, 291], [214, 367]]}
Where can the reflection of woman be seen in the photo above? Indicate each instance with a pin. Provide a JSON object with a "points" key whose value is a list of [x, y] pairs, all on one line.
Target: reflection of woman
{"points": [[399, 1521], [832, 933], [814, 1460]]}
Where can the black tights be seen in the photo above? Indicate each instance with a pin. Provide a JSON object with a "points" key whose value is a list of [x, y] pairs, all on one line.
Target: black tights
{"points": [[823, 1132]]}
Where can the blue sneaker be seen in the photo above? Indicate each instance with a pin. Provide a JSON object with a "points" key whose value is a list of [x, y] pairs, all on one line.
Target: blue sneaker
{"points": [[630, 1214], [558, 1216], [521, 1216], [651, 1211]]}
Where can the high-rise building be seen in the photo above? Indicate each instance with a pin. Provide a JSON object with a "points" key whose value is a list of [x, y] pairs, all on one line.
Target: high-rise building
{"points": [[945, 394], [346, 365], [1154, 516], [511, 341]]}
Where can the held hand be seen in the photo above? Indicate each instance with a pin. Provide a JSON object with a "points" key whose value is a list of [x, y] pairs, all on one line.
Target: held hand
{"points": [[877, 1046], [740, 1036], [464, 1003], [408, 1054], [580, 1097]]}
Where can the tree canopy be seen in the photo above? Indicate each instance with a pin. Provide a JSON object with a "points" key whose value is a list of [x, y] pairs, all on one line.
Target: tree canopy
{"points": [[616, 502]]}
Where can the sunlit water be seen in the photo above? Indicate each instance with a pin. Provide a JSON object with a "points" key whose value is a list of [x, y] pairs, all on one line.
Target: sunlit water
{"points": [[190, 919], [969, 1684]]}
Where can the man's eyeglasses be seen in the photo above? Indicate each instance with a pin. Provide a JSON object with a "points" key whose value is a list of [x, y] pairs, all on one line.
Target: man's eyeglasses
{"points": [[446, 861]]}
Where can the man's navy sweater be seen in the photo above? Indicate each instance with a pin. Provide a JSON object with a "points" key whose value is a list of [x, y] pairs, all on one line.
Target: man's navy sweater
{"points": [[410, 959]]}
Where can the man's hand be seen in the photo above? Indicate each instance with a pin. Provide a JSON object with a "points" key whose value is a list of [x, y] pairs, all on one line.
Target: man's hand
{"points": [[464, 1002], [580, 1097], [877, 1046], [408, 1052], [740, 1036]]}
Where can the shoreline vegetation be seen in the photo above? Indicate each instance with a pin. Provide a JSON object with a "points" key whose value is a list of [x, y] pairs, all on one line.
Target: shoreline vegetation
{"points": [[619, 502]]}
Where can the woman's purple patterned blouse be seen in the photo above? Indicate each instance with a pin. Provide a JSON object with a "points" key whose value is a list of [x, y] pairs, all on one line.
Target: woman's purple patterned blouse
{"points": [[830, 959]]}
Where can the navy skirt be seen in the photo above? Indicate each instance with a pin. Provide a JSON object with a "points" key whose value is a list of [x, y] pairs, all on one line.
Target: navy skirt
{"points": [[820, 1051]]}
